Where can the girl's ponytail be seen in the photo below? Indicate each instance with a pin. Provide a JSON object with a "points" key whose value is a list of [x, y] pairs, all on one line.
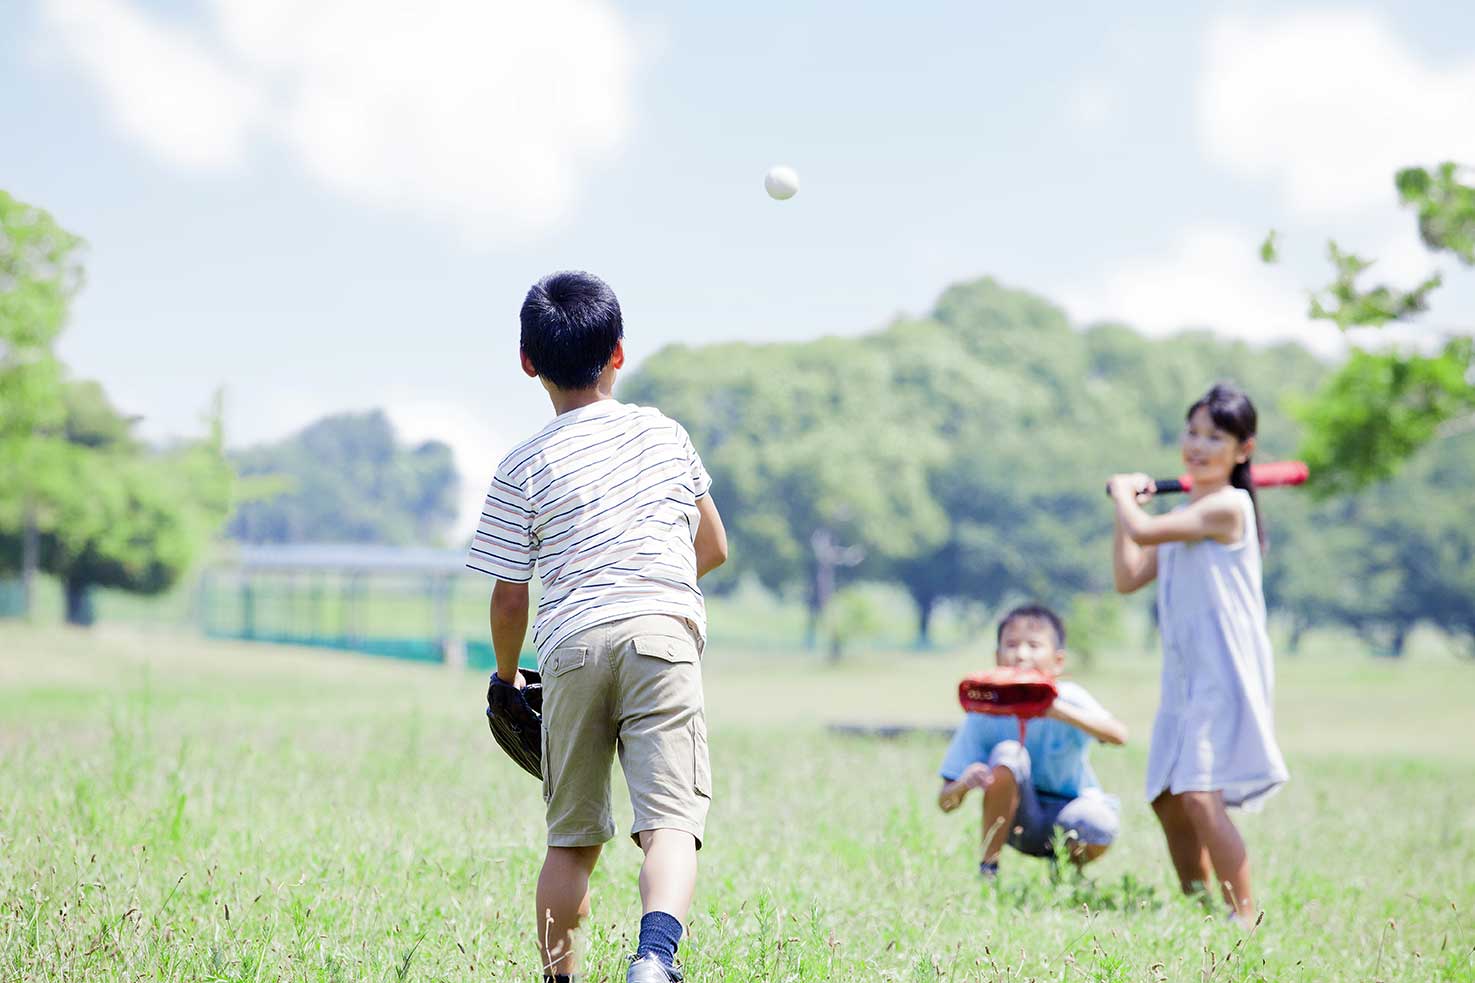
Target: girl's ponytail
{"points": [[1239, 477]]}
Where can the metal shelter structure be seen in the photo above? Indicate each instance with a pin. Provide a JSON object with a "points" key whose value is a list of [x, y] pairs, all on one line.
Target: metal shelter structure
{"points": [[406, 603]]}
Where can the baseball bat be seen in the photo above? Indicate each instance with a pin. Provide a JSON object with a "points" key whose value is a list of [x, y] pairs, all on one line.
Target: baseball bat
{"points": [[1274, 475]]}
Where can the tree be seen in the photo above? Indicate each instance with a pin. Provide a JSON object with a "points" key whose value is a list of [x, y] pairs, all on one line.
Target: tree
{"points": [[1423, 519], [1381, 407], [806, 446], [347, 478], [115, 513], [1331, 564], [80, 497], [962, 455], [39, 274]]}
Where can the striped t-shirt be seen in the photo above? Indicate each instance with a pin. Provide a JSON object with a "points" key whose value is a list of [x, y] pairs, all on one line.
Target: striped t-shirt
{"points": [[603, 502]]}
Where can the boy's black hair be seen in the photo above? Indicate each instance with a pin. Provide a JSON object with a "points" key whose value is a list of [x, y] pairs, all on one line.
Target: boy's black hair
{"points": [[1034, 612], [571, 324]]}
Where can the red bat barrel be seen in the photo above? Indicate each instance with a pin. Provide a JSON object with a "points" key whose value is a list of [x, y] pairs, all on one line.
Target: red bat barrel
{"points": [[1277, 474], [1273, 475]]}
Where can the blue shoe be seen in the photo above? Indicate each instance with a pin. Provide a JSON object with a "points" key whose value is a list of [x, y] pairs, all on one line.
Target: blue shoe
{"points": [[651, 970]]}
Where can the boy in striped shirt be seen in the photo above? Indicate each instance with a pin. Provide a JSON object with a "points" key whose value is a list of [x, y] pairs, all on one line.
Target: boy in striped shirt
{"points": [[611, 505]]}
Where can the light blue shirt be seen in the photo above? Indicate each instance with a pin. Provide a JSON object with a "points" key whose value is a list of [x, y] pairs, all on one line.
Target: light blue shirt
{"points": [[1057, 751]]}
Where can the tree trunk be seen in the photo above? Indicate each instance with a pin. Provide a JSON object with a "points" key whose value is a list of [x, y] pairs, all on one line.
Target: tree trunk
{"points": [[925, 607], [1400, 639], [824, 586], [828, 557], [79, 603], [1298, 630], [811, 624], [30, 559]]}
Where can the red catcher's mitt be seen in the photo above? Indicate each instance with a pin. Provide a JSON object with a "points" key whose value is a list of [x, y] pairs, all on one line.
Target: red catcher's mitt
{"points": [[1008, 691]]}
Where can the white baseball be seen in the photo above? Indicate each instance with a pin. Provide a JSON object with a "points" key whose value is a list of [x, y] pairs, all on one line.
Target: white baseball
{"points": [[781, 182]]}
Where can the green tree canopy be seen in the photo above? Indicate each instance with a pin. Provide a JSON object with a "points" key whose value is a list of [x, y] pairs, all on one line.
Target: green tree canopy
{"points": [[39, 273], [963, 454], [1381, 407], [113, 512], [348, 479]]}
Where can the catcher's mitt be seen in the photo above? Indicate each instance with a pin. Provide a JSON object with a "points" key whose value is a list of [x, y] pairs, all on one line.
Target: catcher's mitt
{"points": [[516, 719], [1008, 691]]}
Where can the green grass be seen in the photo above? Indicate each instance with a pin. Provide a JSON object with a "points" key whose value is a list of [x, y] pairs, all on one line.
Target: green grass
{"points": [[173, 809]]}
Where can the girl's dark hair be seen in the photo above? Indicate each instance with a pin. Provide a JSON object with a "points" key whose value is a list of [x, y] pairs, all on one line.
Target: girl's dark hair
{"points": [[1232, 412]]}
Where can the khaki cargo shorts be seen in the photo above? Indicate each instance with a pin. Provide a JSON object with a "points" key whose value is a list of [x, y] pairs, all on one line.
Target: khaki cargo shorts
{"points": [[632, 686]]}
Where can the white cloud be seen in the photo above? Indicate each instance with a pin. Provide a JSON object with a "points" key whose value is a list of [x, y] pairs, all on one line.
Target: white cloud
{"points": [[488, 114], [163, 89], [1401, 260], [1213, 279], [1328, 104], [1093, 103]]}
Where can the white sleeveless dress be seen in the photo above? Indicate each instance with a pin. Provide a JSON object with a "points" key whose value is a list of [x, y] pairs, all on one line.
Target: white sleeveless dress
{"points": [[1215, 726]]}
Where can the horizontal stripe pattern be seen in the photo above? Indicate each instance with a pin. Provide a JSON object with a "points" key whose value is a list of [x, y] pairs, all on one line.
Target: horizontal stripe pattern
{"points": [[601, 504]]}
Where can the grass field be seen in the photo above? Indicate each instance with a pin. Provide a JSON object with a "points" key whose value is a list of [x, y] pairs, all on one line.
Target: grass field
{"points": [[173, 809]]}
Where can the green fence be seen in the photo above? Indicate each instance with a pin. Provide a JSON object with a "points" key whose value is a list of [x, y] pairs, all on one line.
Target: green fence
{"points": [[12, 598], [418, 605]]}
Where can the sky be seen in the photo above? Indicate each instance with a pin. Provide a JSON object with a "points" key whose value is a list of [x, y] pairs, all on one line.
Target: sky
{"points": [[328, 205]]}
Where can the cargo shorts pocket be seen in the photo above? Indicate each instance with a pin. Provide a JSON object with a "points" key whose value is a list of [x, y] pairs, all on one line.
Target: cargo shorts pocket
{"points": [[701, 765], [547, 764], [667, 648], [565, 660], [559, 664]]}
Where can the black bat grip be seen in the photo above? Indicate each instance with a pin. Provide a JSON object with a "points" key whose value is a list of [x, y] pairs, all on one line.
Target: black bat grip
{"points": [[1161, 486]]}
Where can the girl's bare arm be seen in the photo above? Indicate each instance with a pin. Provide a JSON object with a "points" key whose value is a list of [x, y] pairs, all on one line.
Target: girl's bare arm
{"points": [[1215, 516], [1132, 566]]}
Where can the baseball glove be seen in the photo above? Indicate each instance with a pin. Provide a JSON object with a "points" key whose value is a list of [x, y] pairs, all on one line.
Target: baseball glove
{"points": [[1008, 691], [516, 719]]}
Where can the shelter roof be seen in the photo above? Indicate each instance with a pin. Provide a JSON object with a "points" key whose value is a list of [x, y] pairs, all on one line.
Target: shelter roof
{"points": [[345, 557]]}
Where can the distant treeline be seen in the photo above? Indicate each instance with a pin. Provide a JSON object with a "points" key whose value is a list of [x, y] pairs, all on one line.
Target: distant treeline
{"points": [[963, 455], [346, 479]]}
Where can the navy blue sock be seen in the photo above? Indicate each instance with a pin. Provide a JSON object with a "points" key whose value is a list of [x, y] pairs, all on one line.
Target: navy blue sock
{"points": [[659, 934]]}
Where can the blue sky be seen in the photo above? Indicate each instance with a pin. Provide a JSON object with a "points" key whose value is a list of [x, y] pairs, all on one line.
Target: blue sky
{"points": [[333, 204]]}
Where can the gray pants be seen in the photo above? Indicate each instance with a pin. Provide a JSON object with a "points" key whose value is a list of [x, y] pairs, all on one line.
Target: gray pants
{"points": [[1092, 817]]}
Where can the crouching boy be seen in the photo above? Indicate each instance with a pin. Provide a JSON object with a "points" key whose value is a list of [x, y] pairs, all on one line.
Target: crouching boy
{"points": [[1032, 789]]}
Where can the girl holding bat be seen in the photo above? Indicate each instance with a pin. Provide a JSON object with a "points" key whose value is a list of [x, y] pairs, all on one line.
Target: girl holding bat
{"points": [[1213, 742]]}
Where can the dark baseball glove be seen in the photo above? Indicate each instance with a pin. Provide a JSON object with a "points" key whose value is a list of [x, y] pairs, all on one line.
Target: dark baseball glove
{"points": [[516, 719]]}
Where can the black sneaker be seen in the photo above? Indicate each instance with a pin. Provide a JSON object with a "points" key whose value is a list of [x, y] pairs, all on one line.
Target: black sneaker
{"points": [[987, 871], [651, 970]]}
